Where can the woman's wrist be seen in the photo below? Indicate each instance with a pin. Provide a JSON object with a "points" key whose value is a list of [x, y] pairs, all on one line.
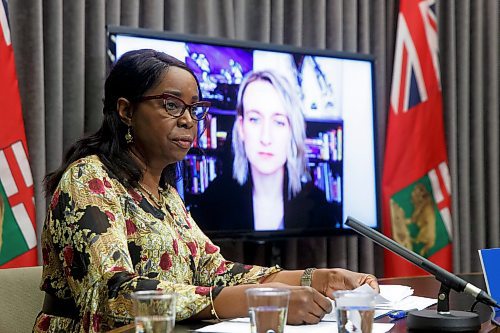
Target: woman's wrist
{"points": [[291, 278], [307, 276]]}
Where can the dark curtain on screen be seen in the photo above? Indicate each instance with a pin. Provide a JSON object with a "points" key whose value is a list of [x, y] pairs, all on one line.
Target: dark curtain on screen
{"points": [[60, 56]]}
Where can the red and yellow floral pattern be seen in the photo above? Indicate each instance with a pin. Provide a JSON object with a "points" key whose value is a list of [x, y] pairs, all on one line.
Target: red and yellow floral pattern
{"points": [[102, 241]]}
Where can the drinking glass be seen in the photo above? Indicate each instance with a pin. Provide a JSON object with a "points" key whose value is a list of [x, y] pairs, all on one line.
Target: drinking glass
{"points": [[154, 311], [354, 311], [267, 308]]}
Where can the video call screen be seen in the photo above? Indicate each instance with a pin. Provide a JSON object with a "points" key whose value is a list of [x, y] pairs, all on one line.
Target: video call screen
{"points": [[324, 107]]}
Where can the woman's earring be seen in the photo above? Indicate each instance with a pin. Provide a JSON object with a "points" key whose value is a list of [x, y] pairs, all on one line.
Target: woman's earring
{"points": [[128, 137]]}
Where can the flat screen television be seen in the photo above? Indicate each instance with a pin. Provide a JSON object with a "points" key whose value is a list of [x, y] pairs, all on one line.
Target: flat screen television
{"points": [[288, 153]]}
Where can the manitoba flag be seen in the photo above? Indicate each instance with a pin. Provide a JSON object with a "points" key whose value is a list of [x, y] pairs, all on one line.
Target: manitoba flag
{"points": [[17, 208], [416, 189]]}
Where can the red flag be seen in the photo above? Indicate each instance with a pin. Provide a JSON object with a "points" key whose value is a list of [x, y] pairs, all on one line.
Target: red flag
{"points": [[17, 208], [416, 186]]}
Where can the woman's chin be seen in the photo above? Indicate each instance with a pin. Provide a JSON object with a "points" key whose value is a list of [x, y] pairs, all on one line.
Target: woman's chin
{"points": [[266, 171]]}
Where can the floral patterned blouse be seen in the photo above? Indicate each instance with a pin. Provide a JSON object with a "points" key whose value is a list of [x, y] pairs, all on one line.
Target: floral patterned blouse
{"points": [[102, 241]]}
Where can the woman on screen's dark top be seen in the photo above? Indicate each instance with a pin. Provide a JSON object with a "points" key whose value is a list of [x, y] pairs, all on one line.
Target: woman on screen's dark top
{"points": [[226, 208], [116, 224], [270, 187]]}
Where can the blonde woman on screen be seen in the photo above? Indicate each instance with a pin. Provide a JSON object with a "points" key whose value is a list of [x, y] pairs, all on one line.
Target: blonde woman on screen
{"points": [[268, 145], [269, 186]]}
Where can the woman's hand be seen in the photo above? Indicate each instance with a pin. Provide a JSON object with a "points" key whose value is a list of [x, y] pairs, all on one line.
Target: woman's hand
{"points": [[326, 281], [307, 306]]}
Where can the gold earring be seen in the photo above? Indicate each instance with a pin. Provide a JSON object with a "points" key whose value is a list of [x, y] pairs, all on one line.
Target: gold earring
{"points": [[128, 137]]}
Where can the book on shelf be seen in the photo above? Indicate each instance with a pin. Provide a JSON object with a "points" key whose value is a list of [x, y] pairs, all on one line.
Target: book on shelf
{"points": [[200, 172], [328, 181], [326, 146]]}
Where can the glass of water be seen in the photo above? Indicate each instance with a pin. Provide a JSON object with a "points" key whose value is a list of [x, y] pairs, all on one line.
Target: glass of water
{"points": [[267, 308], [354, 311], [154, 311]]}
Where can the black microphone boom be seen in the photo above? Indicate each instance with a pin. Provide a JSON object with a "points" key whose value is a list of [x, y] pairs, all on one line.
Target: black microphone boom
{"points": [[442, 275], [447, 279]]}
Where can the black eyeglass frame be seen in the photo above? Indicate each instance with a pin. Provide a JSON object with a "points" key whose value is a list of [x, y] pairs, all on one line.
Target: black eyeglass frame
{"points": [[164, 97]]}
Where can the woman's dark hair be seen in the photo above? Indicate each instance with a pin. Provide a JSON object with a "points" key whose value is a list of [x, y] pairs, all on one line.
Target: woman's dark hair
{"points": [[132, 75]]}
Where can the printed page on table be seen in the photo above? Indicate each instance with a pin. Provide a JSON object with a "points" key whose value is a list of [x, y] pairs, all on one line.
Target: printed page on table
{"points": [[391, 298], [243, 325]]}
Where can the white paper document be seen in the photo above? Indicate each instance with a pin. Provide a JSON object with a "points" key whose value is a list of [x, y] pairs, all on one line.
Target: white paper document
{"points": [[401, 298], [391, 298], [394, 293], [243, 325]]}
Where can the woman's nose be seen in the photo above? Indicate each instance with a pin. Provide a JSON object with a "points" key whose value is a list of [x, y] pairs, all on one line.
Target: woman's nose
{"points": [[265, 133]]}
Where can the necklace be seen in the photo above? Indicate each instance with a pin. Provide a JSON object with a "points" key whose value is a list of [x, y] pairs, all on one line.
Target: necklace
{"points": [[158, 202]]}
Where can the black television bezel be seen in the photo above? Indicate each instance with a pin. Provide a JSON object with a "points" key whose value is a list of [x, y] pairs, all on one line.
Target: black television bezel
{"points": [[113, 30]]}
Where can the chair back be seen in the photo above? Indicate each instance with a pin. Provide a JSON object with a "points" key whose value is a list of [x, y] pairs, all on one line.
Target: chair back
{"points": [[20, 298]]}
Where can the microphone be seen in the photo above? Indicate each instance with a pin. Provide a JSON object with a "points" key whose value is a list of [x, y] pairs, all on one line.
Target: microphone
{"points": [[448, 281]]}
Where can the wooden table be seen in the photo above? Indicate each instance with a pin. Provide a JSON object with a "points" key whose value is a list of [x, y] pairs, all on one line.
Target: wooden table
{"points": [[426, 286]]}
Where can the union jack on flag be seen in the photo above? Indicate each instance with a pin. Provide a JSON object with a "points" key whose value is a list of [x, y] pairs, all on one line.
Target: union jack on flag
{"points": [[416, 184], [410, 84]]}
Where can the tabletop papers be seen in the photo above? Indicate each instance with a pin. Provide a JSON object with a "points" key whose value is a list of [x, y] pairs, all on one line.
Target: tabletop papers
{"points": [[392, 297], [243, 325]]}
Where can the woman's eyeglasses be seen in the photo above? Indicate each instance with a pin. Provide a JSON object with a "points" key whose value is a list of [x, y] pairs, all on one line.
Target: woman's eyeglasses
{"points": [[176, 106]]}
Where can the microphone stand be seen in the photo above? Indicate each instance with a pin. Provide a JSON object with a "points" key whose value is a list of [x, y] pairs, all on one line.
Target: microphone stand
{"points": [[444, 319]]}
